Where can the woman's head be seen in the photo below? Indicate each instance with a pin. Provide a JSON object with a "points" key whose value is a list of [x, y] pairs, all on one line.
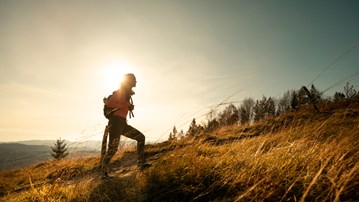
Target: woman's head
{"points": [[129, 80]]}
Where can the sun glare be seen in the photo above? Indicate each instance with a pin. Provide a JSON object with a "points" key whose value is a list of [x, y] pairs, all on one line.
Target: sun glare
{"points": [[113, 74]]}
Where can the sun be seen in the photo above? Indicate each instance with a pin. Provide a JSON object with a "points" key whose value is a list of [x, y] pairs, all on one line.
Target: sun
{"points": [[113, 74]]}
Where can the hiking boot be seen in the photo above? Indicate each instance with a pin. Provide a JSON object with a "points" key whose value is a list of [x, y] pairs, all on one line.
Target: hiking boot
{"points": [[106, 176], [143, 165]]}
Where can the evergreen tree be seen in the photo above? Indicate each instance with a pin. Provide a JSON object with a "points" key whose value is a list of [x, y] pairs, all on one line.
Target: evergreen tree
{"points": [[59, 150], [270, 107], [173, 134], [294, 102], [303, 98], [339, 96], [193, 128], [316, 95], [211, 125], [259, 109], [180, 135]]}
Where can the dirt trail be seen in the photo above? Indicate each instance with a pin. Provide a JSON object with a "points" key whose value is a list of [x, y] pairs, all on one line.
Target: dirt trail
{"points": [[126, 164]]}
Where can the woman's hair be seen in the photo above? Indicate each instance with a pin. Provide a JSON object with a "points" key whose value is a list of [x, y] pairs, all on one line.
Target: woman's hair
{"points": [[127, 78]]}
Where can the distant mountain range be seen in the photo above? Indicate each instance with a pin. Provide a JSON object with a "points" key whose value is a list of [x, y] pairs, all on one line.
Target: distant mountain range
{"points": [[93, 144], [23, 153]]}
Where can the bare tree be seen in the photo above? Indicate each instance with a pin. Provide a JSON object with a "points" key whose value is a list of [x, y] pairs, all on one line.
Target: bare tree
{"points": [[212, 122], [284, 102], [229, 116], [349, 91], [246, 110]]}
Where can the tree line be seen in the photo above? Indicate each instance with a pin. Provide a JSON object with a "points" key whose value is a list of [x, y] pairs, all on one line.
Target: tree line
{"points": [[251, 111]]}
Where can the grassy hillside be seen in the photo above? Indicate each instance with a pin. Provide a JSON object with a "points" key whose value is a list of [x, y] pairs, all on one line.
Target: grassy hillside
{"points": [[299, 156]]}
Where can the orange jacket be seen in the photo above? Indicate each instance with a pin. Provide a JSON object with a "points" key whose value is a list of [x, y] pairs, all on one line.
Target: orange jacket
{"points": [[119, 101]]}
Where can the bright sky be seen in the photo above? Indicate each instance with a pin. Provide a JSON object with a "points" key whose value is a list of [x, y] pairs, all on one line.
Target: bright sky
{"points": [[58, 59]]}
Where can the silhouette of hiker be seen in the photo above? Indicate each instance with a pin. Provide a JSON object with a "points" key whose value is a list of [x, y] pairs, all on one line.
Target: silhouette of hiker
{"points": [[121, 102]]}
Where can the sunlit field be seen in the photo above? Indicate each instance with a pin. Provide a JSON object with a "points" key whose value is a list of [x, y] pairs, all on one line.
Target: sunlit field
{"points": [[297, 156]]}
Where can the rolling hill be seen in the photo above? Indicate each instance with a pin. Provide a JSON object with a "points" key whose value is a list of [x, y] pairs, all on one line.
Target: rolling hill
{"points": [[297, 156], [25, 153]]}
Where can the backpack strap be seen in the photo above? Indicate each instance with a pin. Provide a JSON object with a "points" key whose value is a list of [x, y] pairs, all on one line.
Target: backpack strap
{"points": [[131, 110]]}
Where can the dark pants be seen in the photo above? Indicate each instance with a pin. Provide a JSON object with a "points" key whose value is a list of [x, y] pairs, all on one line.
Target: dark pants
{"points": [[118, 127]]}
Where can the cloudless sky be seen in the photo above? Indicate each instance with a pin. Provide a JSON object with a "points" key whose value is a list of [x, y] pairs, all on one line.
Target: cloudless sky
{"points": [[58, 59]]}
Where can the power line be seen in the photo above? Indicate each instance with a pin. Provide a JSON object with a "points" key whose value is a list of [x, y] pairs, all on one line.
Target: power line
{"points": [[213, 107], [335, 61], [342, 80]]}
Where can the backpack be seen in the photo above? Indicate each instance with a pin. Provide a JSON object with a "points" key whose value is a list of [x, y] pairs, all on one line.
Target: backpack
{"points": [[108, 111]]}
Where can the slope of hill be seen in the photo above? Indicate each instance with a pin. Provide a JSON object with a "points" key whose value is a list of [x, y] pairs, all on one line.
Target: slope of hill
{"points": [[298, 156]]}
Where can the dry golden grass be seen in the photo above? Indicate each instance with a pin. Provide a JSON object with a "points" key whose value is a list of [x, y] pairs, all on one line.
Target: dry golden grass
{"points": [[294, 157], [314, 157]]}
